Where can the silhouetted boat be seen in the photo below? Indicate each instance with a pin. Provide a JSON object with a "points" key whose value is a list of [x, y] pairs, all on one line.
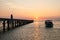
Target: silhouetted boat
{"points": [[48, 23]]}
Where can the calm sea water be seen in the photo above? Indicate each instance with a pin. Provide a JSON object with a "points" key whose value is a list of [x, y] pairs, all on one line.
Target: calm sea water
{"points": [[33, 31]]}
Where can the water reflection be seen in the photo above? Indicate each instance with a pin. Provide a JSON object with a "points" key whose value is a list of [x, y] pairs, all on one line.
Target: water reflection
{"points": [[36, 24], [33, 31], [36, 31]]}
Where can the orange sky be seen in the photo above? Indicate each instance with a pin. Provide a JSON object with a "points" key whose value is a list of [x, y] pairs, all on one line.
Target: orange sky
{"points": [[29, 9]]}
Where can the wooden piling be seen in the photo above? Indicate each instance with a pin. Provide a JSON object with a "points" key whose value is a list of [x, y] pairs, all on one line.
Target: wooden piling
{"points": [[15, 23], [8, 27], [3, 25], [12, 24]]}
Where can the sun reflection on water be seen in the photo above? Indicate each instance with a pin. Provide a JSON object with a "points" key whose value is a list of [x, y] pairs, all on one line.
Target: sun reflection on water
{"points": [[36, 24], [36, 31]]}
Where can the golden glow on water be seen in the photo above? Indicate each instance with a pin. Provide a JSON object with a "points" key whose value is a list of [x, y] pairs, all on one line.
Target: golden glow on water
{"points": [[36, 24], [36, 34], [36, 31]]}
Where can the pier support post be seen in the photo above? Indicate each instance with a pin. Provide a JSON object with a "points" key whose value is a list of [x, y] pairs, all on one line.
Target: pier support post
{"points": [[3, 25], [19, 22], [8, 28], [12, 24], [15, 23]]}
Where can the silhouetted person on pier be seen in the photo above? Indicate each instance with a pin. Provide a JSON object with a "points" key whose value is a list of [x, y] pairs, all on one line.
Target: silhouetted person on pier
{"points": [[11, 16], [12, 22]]}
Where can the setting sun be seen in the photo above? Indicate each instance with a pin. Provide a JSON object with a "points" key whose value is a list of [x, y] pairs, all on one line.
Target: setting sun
{"points": [[36, 17]]}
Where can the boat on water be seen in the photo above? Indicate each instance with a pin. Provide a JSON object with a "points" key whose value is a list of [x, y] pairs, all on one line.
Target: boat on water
{"points": [[48, 23]]}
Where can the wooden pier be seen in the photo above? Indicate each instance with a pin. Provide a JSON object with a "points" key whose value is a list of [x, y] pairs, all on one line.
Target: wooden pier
{"points": [[13, 23]]}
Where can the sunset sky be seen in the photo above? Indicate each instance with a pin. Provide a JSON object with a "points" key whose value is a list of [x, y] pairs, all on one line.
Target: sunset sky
{"points": [[30, 9]]}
